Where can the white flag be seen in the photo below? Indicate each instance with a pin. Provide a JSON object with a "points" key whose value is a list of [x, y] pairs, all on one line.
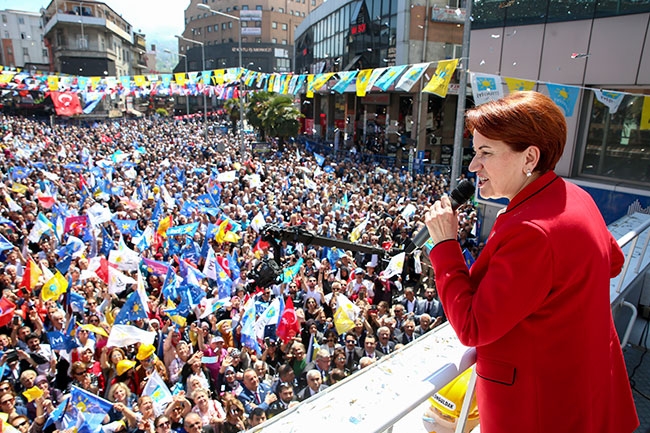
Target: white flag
{"points": [[395, 265], [98, 214], [117, 281], [486, 87], [345, 314], [125, 335], [210, 267], [227, 176], [258, 222], [271, 316], [158, 391]]}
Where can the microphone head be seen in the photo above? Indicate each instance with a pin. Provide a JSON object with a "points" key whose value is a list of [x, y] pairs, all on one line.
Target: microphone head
{"points": [[463, 192]]}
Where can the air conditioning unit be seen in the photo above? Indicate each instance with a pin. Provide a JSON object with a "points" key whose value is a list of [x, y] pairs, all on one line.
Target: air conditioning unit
{"points": [[435, 141]]}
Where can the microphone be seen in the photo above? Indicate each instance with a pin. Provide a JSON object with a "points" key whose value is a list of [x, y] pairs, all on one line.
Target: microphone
{"points": [[458, 196]]}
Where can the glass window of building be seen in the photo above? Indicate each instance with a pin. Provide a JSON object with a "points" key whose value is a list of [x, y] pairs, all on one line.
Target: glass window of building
{"points": [[258, 40], [615, 146], [274, 25], [284, 42], [244, 23], [224, 26], [258, 7], [244, 7], [230, 24], [281, 10], [274, 41], [284, 26], [216, 27]]}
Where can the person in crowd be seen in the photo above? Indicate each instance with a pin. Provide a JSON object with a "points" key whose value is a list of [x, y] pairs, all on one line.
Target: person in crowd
{"points": [[538, 294], [314, 385], [255, 394], [210, 410], [256, 417], [286, 399]]}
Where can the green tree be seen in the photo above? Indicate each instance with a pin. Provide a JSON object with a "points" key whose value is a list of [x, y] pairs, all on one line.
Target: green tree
{"points": [[273, 114], [256, 107], [231, 107]]}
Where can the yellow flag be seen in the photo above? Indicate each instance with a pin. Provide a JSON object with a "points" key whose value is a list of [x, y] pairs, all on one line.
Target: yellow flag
{"points": [[7, 77], [271, 82], [54, 287], [33, 393], [139, 80], [320, 80], [18, 188], [231, 237], [220, 237], [518, 84], [310, 90], [53, 82], [645, 114], [440, 80], [218, 76], [362, 81], [94, 328], [94, 82], [345, 314], [179, 77]]}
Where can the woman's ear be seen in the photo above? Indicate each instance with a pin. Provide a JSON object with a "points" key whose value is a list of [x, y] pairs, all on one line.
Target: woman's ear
{"points": [[532, 154]]}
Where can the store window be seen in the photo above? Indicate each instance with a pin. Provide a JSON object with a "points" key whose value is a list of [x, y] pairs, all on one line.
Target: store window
{"points": [[616, 147]]}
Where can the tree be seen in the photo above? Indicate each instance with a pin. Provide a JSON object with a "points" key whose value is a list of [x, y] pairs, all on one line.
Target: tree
{"points": [[231, 106], [273, 114]]}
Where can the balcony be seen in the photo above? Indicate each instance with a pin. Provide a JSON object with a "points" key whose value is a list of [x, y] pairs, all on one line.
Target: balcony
{"points": [[80, 20]]}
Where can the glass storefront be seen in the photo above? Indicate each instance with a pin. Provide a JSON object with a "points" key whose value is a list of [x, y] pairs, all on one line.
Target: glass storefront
{"points": [[616, 147]]}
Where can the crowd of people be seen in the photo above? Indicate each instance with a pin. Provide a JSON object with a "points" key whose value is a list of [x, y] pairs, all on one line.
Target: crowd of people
{"points": [[77, 199]]}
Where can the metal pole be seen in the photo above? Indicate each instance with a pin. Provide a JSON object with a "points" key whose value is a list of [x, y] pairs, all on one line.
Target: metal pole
{"points": [[187, 99], [242, 146], [457, 158], [205, 103]]}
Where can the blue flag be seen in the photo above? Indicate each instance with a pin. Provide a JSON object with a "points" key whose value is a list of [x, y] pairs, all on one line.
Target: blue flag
{"points": [[248, 337], [469, 258], [93, 408], [132, 309], [289, 273], [186, 229], [127, 227], [5, 244], [170, 285], [108, 243]]}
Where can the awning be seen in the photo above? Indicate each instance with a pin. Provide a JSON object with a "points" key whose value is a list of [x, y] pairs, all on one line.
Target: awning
{"points": [[355, 59]]}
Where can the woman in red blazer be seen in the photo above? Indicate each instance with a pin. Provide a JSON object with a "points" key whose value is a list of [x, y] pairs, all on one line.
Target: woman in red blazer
{"points": [[535, 304]]}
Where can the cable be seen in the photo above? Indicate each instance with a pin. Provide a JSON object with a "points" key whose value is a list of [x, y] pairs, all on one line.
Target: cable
{"points": [[642, 338]]}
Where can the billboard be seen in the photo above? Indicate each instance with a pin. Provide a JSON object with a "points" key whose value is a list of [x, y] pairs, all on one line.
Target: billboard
{"points": [[249, 15]]}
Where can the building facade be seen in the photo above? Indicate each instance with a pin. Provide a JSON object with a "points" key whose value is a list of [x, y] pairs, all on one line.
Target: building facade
{"points": [[267, 33], [22, 41], [593, 45], [89, 38]]}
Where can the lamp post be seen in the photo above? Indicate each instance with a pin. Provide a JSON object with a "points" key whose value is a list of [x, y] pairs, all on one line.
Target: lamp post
{"points": [[187, 100], [242, 147], [205, 103]]}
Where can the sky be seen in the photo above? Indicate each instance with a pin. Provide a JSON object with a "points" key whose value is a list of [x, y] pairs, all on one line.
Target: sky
{"points": [[159, 20]]}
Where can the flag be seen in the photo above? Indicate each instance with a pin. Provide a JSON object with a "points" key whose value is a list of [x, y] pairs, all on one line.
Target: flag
{"points": [[76, 302], [248, 337], [289, 273], [288, 327], [75, 224], [57, 414], [127, 227], [33, 393], [108, 243], [260, 246], [5, 244], [644, 125], [362, 81], [31, 275], [98, 214], [91, 100], [155, 267], [41, 226], [320, 159], [564, 96], [356, 233], [124, 258], [117, 281], [469, 259], [440, 80], [158, 391], [395, 265], [227, 176], [345, 315], [163, 225], [485, 87], [132, 309], [66, 103], [213, 304], [410, 77], [186, 229], [7, 309], [389, 77], [610, 99], [93, 408], [258, 222], [224, 282], [60, 341], [170, 284], [267, 323], [518, 84], [210, 266], [54, 287], [234, 266], [345, 79], [18, 188], [126, 335]]}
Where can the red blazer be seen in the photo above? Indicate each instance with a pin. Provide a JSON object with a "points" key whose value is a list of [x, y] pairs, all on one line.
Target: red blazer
{"points": [[536, 306]]}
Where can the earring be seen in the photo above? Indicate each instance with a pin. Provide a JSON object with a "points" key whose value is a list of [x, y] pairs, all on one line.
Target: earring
{"points": [[529, 174]]}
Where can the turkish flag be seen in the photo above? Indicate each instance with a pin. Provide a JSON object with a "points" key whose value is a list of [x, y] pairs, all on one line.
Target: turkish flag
{"points": [[7, 309], [288, 326], [66, 103]]}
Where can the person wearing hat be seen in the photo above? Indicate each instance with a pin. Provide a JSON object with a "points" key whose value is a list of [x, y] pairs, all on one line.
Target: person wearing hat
{"points": [[148, 362], [215, 349], [358, 282]]}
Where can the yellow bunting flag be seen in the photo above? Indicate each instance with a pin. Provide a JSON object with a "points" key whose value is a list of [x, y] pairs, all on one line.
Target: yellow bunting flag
{"points": [[310, 90], [179, 77], [645, 114], [140, 80], [218, 76], [440, 80], [518, 84], [362, 81], [53, 82]]}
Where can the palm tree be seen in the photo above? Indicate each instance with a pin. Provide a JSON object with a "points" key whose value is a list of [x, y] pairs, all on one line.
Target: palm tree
{"points": [[273, 114]]}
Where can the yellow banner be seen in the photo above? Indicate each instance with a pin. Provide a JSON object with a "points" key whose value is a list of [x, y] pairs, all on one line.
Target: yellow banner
{"points": [[645, 114], [53, 83], [362, 81], [218, 76], [440, 80], [179, 77], [310, 90], [94, 82], [139, 80], [518, 84]]}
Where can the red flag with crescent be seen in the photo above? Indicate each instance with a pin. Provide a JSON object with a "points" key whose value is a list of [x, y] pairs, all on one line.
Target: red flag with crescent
{"points": [[66, 103]]}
